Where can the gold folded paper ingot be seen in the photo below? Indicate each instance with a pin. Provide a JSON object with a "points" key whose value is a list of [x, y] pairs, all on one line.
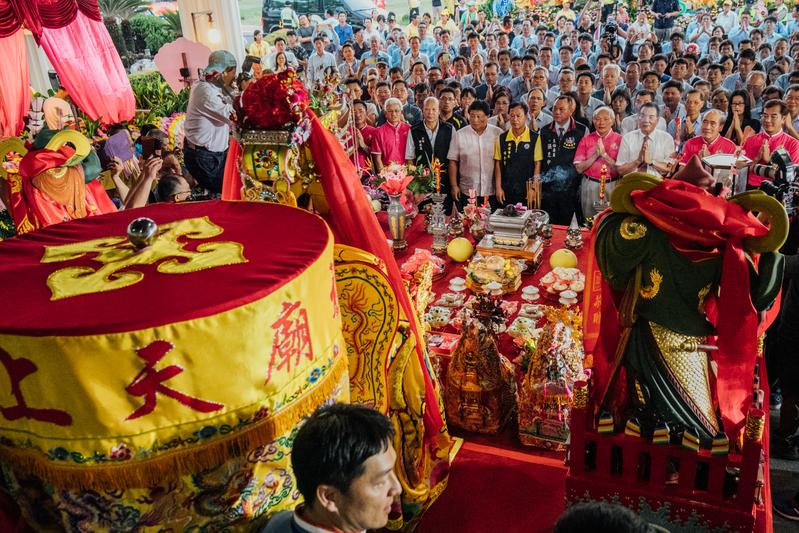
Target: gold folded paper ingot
{"points": [[690, 440], [632, 428]]}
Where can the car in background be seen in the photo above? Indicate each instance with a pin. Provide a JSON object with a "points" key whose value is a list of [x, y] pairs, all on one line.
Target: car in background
{"points": [[356, 10]]}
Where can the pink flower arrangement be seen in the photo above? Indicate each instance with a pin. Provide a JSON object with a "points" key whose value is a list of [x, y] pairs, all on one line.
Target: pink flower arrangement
{"points": [[395, 178]]}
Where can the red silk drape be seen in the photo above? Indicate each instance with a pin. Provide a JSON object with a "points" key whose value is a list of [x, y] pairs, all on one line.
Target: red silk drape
{"points": [[38, 14], [14, 94]]}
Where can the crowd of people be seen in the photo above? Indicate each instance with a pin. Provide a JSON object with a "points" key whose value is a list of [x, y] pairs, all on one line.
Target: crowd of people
{"points": [[570, 101]]}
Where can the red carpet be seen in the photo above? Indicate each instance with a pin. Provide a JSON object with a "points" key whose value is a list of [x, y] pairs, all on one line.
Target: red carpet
{"points": [[493, 490]]}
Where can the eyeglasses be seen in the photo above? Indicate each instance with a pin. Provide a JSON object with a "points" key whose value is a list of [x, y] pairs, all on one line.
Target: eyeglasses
{"points": [[181, 196]]}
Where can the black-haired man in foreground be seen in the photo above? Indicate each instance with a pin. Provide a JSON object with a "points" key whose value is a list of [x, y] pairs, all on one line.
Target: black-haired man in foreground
{"points": [[344, 464]]}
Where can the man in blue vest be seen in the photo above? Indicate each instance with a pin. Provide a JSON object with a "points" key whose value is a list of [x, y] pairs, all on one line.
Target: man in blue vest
{"points": [[560, 181], [517, 158], [428, 141]]}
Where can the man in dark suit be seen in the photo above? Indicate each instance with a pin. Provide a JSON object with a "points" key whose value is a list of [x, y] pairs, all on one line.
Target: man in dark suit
{"points": [[560, 181], [485, 91], [429, 140]]}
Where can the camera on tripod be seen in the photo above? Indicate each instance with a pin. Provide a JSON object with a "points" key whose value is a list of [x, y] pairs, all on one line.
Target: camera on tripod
{"points": [[780, 181]]}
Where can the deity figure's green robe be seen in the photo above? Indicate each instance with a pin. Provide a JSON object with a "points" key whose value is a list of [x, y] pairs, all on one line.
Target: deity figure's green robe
{"points": [[668, 378]]}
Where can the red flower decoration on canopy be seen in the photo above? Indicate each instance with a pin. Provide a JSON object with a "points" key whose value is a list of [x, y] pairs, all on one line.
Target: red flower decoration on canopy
{"points": [[275, 101]]}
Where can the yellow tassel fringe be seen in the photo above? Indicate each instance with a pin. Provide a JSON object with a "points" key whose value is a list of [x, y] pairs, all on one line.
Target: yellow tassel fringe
{"points": [[174, 464]]}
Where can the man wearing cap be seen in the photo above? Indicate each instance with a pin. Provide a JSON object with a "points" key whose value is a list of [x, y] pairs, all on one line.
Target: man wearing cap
{"points": [[448, 24], [727, 19], [209, 116], [288, 17]]}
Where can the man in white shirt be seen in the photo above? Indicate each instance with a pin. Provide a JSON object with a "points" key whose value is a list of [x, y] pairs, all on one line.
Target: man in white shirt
{"points": [[630, 123], [471, 155], [537, 118], [646, 149], [414, 56], [319, 61], [280, 46], [727, 19], [209, 116]]}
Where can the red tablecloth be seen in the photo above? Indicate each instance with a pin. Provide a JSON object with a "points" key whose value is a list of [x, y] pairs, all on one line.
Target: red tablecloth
{"points": [[417, 237]]}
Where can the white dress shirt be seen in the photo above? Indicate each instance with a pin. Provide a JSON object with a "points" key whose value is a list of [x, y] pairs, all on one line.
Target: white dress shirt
{"points": [[727, 20], [475, 156], [208, 114], [317, 65], [661, 148]]}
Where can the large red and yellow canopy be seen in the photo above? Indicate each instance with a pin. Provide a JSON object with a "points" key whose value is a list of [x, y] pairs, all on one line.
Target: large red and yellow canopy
{"points": [[118, 365]]}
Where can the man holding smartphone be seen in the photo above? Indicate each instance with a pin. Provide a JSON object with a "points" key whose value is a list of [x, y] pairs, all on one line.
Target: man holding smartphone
{"points": [[209, 117]]}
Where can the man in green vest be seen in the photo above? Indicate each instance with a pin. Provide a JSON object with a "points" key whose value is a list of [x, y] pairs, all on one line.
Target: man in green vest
{"points": [[517, 158]]}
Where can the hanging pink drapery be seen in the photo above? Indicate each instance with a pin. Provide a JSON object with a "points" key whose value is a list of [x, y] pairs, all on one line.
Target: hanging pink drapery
{"points": [[90, 69], [38, 13], [14, 91]]}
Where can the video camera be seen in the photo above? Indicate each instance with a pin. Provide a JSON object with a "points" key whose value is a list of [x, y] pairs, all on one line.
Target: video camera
{"points": [[781, 180], [611, 37]]}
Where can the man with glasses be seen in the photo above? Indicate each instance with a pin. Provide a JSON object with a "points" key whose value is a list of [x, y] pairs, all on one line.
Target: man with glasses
{"points": [[755, 85], [448, 102]]}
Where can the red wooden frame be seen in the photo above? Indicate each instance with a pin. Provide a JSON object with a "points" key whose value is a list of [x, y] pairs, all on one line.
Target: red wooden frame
{"points": [[742, 510]]}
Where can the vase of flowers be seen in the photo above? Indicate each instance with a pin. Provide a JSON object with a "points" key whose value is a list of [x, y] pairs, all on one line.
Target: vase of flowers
{"points": [[395, 179], [396, 221]]}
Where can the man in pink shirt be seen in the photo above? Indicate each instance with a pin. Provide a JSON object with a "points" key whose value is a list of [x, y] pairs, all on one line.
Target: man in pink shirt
{"points": [[389, 140], [710, 141], [595, 152], [758, 147]]}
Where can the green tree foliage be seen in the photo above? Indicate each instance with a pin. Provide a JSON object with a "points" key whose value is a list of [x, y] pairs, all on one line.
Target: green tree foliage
{"points": [[152, 30], [172, 20], [121, 9], [155, 96]]}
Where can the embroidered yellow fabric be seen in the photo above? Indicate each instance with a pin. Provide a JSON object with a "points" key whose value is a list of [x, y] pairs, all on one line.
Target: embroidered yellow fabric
{"points": [[631, 229], [117, 256], [169, 394], [650, 291], [702, 295]]}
